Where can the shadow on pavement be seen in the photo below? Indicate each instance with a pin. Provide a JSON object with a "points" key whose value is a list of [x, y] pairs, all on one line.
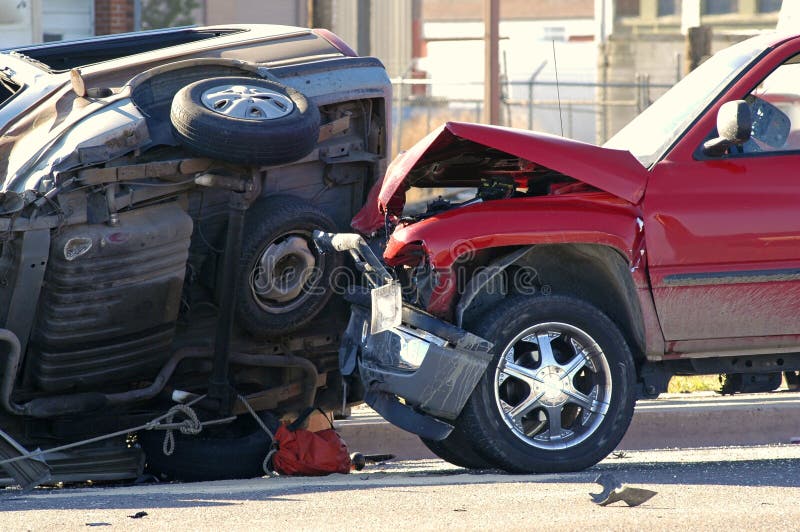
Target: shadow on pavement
{"points": [[779, 472]]}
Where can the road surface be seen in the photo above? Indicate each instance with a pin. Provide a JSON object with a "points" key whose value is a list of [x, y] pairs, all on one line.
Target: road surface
{"points": [[705, 489]]}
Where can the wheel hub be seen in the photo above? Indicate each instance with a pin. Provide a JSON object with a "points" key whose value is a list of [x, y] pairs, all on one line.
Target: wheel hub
{"points": [[552, 386], [283, 270], [249, 102]]}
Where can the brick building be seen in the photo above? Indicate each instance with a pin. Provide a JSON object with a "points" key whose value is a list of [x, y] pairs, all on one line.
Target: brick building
{"points": [[114, 16]]}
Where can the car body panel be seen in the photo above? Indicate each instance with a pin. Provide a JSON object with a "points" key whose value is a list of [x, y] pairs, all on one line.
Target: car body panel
{"points": [[614, 171], [722, 238], [710, 241], [46, 106], [116, 232], [594, 218]]}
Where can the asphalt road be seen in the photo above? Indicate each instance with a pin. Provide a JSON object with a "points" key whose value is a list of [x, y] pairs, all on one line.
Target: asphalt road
{"points": [[706, 489]]}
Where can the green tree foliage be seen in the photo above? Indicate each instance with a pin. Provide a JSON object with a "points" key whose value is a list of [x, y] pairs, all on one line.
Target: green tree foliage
{"points": [[168, 13]]}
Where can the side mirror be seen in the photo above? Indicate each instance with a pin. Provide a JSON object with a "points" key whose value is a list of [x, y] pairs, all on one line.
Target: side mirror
{"points": [[734, 124]]}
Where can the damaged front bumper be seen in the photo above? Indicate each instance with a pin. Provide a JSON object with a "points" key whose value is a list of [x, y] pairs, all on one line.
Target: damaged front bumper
{"points": [[417, 370]]}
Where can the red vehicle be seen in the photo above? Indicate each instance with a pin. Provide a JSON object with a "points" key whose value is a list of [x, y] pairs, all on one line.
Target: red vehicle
{"points": [[579, 278]]}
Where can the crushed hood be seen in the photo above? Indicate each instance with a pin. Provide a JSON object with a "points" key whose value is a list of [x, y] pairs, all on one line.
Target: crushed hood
{"points": [[614, 171]]}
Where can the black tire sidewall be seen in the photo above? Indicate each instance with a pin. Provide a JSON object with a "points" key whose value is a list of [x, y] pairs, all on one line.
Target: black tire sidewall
{"points": [[202, 457], [481, 416], [210, 134], [267, 220], [457, 449]]}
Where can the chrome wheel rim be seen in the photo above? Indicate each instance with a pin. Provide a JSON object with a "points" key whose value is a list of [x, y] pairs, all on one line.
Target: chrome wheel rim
{"points": [[249, 102], [552, 386], [285, 274]]}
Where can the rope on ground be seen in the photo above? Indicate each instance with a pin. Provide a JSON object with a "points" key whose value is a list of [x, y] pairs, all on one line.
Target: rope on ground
{"points": [[154, 424], [190, 425], [272, 448]]}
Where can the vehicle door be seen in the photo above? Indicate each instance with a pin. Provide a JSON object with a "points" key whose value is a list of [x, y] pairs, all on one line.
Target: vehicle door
{"points": [[723, 232]]}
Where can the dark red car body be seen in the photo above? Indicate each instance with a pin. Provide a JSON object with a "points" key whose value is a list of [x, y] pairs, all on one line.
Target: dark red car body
{"points": [[713, 244], [516, 328]]}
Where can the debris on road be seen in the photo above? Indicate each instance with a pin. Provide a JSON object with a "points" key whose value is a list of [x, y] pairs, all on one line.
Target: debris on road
{"points": [[615, 491], [358, 461], [378, 458]]}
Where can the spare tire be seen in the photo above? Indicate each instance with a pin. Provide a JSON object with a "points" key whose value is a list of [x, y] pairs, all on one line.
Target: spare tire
{"points": [[245, 120]]}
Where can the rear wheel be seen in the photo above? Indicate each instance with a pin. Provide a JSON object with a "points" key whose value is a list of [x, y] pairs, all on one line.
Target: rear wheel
{"points": [[559, 393], [284, 281]]}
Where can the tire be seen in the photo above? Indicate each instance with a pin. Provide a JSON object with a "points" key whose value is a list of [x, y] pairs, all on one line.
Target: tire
{"points": [[593, 408], [230, 452], [792, 380], [457, 450], [245, 120], [283, 280]]}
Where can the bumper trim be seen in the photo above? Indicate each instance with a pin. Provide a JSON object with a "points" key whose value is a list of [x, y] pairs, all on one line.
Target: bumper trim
{"points": [[406, 418]]}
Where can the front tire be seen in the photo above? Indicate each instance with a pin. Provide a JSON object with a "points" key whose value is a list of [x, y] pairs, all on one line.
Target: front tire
{"points": [[559, 393], [457, 449]]}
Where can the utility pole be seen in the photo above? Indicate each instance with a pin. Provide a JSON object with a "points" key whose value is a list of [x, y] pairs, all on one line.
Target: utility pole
{"points": [[698, 37], [698, 46], [491, 83], [320, 13], [364, 27]]}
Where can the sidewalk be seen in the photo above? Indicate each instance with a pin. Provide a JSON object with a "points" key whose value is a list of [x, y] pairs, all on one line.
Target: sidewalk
{"points": [[673, 420]]}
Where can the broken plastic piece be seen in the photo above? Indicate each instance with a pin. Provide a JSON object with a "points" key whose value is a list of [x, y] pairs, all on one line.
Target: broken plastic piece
{"points": [[614, 491], [28, 472]]}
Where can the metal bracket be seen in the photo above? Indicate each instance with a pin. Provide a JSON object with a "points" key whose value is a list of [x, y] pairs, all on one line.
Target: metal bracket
{"points": [[31, 267]]}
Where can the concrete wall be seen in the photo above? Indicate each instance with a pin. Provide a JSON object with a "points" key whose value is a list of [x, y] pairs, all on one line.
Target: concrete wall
{"points": [[289, 12], [659, 56], [391, 35], [391, 31]]}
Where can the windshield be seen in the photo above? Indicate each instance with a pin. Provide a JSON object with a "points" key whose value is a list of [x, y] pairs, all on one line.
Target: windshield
{"points": [[654, 130]]}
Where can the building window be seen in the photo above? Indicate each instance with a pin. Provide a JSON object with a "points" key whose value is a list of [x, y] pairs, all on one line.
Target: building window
{"points": [[554, 33], [668, 7], [769, 6], [628, 8], [720, 7]]}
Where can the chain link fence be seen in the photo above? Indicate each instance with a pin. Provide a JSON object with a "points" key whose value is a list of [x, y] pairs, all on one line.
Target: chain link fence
{"points": [[587, 111]]}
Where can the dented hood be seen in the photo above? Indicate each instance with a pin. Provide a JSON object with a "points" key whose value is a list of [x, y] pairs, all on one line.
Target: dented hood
{"points": [[614, 171]]}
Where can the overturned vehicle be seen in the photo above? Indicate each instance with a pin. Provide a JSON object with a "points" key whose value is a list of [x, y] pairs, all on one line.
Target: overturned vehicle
{"points": [[516, 326], [159, 192]]}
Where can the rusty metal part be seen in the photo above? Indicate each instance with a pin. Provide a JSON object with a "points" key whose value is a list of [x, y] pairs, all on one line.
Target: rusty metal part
{"points": [[272, 398], [155, 169], [615, 491], [289, 360], [326, 131]]}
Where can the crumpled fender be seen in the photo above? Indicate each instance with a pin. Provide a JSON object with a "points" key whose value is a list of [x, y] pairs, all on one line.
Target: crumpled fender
{"points": [[614, 171], [591, 218]]}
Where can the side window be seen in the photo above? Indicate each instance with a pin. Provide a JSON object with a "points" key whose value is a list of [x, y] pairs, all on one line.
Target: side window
{"points": [[775, 108]]}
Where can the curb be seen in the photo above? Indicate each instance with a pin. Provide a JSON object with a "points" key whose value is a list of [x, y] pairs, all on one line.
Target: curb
{"points": [[674, 420]]}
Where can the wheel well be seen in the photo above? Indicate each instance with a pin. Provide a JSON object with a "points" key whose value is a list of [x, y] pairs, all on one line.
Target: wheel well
{"points": [[594, 273]]}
